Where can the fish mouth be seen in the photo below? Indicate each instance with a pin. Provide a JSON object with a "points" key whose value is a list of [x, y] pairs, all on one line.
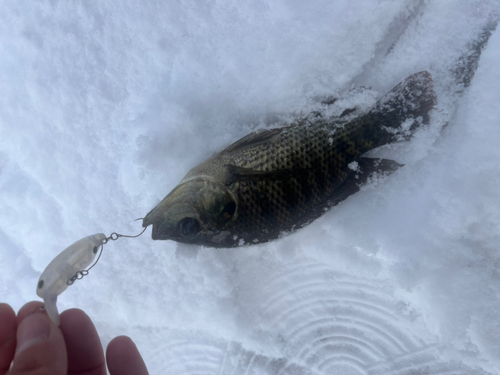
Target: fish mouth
{"points": [[158, 232]]}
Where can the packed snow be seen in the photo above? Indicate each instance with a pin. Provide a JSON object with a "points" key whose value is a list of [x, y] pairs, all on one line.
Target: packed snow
{"points": [[105, 106]]}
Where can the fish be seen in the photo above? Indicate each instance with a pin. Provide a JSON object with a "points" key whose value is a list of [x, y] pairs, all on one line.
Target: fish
{"points": [[273, 182], [58, 275]]}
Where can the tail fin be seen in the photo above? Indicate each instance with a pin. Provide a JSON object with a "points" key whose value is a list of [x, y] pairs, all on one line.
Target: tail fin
{"points": [[410, 100]]}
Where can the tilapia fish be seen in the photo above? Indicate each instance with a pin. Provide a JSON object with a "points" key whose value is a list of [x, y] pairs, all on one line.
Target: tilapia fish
{"points": [[275, 181]]}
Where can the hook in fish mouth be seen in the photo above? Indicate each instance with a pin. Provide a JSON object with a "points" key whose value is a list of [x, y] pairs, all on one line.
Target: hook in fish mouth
{"points": [[192, 212]]}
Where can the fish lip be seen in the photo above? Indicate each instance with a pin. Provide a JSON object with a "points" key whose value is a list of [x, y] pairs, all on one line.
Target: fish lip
{"points": [[157, 234], [146, 222]]}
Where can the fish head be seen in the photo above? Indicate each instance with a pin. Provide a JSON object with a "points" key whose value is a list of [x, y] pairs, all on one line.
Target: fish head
{"points": [[197, 211]]}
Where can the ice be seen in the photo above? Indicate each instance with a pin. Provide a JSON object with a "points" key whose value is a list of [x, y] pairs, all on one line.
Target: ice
{"points": [[104, 107]]}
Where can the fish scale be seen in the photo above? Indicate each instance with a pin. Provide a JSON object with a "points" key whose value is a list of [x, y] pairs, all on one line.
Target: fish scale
{"points": [[304, 148], [277, 180], [300, 148]]}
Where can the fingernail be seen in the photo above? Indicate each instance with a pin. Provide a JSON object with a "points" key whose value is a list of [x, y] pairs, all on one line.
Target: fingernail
{"points": [[33, 329]]}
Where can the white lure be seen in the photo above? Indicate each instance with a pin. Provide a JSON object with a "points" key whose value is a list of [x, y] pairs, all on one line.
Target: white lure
{"points": [[54, 280]]}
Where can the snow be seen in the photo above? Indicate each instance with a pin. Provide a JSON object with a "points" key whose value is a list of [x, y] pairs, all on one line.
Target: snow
{"points": [[105, 106]]}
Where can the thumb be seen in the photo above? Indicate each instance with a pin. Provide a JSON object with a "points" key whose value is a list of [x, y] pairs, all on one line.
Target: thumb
{"points": [[40, 347]]}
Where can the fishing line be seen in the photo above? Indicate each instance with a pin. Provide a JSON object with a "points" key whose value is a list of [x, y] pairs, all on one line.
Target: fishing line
{"points": [[113, 236]]}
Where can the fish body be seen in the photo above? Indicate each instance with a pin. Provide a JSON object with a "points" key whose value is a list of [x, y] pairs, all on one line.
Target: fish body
{"points": [[54, 279], [277, 180]]}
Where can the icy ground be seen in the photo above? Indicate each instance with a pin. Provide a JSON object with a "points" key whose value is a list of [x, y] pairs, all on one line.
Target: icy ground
{"points": [[105, 106]]}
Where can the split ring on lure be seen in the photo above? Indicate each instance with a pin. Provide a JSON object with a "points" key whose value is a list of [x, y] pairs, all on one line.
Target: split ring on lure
{"points": [[58, 274]]}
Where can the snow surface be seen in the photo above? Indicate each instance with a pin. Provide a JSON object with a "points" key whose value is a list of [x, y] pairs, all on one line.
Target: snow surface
{"points": [[104, 107]]}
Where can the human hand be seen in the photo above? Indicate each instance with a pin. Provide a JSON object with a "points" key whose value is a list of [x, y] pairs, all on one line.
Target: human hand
{"points": [[39, 347]]}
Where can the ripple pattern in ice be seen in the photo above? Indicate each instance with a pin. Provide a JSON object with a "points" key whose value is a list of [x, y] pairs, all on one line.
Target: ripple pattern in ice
{"points": [[330, 319], [190, 353], [322, 322]]}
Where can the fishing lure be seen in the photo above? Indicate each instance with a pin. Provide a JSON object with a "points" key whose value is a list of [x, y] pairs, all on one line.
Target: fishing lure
{"points": [[67, 267], [59, 273]]}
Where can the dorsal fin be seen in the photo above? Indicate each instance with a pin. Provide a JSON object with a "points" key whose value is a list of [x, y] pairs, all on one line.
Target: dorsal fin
{"points": [[253, 139]]}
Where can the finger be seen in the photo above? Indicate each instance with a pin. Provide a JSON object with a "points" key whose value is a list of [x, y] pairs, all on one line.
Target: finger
{"points": [[8, 329], [123, 357], [40, 347], [85, 354], [28, 309]]}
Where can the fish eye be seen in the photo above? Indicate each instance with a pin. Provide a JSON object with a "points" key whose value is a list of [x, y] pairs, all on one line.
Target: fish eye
{"points": [[40, 284], [189, 227]]}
